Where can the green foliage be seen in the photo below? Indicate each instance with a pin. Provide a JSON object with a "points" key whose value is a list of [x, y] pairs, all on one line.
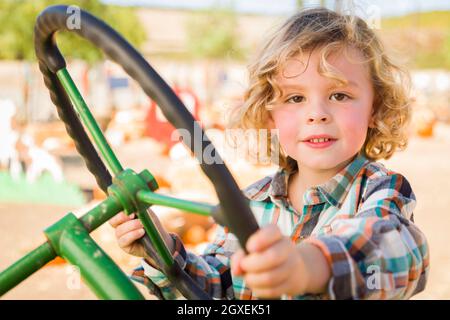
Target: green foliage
{"points": [[432, 19], [18, 18], [423, 36], [213, 34]]}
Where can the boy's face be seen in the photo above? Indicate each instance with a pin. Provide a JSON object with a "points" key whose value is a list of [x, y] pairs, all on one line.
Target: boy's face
{"points": [[315, 105]]}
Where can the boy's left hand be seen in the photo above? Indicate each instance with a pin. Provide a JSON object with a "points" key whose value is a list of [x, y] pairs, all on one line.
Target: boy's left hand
{"points": [[273, 265]]}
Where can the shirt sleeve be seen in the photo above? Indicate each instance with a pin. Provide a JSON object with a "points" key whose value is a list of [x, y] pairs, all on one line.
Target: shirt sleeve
{"points": [[211, 270], [379, 253]]}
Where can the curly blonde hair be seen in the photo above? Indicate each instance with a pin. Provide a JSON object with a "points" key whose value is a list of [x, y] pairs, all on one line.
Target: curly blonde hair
{"points": [[328, 30]]}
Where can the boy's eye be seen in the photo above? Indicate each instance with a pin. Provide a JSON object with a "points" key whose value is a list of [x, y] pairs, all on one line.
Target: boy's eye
{"points": [[339, 96], [295, 99]]}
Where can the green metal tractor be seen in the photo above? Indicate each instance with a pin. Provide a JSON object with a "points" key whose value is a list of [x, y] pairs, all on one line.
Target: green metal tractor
{"points": [[126, 190]]}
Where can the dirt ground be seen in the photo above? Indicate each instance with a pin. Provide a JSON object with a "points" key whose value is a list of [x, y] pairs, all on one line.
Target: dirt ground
{"points": [[425, 163]]}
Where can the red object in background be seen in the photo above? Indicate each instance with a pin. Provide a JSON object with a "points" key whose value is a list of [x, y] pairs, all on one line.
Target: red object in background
{"points": [[159, 128], [56, 262]]}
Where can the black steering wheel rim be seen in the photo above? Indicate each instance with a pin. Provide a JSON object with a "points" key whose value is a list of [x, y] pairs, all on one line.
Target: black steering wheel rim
{"points": [[235, 212]]}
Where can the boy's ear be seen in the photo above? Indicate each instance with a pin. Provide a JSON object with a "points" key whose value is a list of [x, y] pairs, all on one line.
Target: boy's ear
{"points": [[270, 122], [372, 122], [372, 118]]}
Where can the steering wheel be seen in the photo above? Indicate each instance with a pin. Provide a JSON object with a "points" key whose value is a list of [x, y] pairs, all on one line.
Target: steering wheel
{"points": [[233, 211]]}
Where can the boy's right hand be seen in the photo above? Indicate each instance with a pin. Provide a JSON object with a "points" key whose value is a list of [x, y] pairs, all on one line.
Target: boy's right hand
{"points": [[128, 231]]}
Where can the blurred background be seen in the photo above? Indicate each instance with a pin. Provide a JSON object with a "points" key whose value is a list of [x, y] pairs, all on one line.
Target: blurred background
{"points": [[201, 48]]}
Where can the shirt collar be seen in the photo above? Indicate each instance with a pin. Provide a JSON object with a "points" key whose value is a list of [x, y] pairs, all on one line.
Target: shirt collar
{"points": [[334, 191]]}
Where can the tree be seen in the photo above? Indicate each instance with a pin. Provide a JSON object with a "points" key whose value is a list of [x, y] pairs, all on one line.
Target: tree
{"points": [[18, 18], [212, 34]]}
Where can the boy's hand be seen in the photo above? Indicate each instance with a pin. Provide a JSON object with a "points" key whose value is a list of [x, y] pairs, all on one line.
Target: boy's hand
{"points": [[273, 266], [128, 230]]}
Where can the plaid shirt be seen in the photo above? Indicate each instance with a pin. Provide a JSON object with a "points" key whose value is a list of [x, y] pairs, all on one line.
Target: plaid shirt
{"points": [[361, 220]]}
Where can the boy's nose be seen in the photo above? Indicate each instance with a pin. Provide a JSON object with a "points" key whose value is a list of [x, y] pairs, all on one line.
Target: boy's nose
{"points": [[317, 113], [319, 118]]}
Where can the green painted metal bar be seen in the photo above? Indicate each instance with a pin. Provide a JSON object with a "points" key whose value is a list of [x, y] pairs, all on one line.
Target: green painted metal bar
{"points": [[89, 121], [124, 188], [25, 267], [163, 200], [155, 237], [97, 269], [101, 213]]}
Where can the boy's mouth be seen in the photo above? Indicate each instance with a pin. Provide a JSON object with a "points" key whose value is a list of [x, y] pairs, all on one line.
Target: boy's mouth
{"points": [[319, 141], [318, 138]]}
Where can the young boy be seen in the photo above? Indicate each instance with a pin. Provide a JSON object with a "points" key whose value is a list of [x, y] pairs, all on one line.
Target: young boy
{"points": [[335, 224]]}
